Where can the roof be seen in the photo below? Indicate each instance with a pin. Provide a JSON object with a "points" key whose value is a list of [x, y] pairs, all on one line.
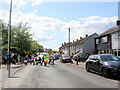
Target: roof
{"points": [[84, 39], [109, 31], [78, 41]]}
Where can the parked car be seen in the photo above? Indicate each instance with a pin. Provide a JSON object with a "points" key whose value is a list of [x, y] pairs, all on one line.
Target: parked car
{"points": [[106, 64], [80, 57], [65, 58]]}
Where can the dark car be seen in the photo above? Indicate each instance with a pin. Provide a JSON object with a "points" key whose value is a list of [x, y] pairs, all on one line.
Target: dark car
{"points": [[106, 64], [80, 57], [65, 58]]}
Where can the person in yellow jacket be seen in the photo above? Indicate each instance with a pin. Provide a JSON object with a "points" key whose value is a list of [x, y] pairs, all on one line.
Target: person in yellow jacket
{"points": [[46, 59]]}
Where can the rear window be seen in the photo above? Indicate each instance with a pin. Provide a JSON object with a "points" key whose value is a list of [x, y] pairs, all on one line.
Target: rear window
{"points": [[83, 55], [109, 58]]}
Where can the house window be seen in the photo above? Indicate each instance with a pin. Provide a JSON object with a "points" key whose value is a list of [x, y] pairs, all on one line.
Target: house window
{"points": [[104, 39], [73, 47], [97, 41], [118, 53]]}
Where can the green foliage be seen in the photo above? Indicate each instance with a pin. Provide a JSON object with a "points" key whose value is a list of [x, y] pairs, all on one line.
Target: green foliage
{"points": [[34, 46], [21, 41]]}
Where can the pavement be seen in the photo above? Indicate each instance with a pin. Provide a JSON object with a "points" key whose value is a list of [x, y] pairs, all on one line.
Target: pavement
{"points": [[80, 64], [60, 75], [4, 72], [12, 66]]}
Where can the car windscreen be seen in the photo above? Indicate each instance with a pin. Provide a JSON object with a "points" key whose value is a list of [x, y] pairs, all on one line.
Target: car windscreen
{"points": [[109, 58]]}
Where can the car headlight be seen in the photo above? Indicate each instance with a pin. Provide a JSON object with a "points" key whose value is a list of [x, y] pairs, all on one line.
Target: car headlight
{"points": [[106, 63]]}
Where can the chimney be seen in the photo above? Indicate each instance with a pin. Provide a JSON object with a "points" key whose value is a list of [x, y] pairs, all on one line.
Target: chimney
{"points": [[77, 39], [118, 22], [73, 41], [86, 35], [62, 44], [80, 38]]}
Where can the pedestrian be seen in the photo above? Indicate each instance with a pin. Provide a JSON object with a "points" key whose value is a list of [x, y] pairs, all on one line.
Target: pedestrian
{"points": [[29, 56], [52, 58], [32, 60], [26, 60], [38, 61], [72, 58], [19, 59], [42, 60], [14, 59], [46, 60]]}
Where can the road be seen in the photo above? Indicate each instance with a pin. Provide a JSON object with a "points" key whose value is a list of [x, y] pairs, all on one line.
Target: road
{"points": [[58, 76]]}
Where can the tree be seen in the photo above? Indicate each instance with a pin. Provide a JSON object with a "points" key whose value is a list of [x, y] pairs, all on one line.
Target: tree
{"points": [[3, 37], [34, 46], [21, 41]]}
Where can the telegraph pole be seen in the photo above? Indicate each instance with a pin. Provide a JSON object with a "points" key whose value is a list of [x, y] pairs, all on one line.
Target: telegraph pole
{"points": [[69, 41], [9, 39]]}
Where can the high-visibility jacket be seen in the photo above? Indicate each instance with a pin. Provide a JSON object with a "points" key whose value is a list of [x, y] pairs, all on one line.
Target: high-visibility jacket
{"points": [[46, 59]]}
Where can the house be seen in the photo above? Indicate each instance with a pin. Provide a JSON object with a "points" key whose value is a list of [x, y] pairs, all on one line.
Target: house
{"points": [[82, 45], [109, 41]]}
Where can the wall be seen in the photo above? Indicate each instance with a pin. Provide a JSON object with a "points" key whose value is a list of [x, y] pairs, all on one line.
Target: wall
{"points": [[116, 41], [89, 45]]}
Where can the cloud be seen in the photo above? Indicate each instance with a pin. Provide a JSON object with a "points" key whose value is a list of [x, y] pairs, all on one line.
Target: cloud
{"points": [[36, 2], [40, 25], [4, 15], [90, 25], [35, 11], [16, 4], [46, 39]]}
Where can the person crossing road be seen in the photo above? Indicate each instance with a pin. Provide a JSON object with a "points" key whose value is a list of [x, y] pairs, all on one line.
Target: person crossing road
{"points": [[46, 59]]}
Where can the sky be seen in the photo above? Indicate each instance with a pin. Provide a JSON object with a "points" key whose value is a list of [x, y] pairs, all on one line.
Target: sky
{"points": [[50, 19]]}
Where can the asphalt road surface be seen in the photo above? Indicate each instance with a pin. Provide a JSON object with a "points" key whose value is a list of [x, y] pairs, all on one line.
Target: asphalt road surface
{"points": [[58, 76]]}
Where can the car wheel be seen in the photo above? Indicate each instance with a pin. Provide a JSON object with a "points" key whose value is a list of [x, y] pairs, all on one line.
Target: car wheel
{"points": [[104, 72], [87, 68]]}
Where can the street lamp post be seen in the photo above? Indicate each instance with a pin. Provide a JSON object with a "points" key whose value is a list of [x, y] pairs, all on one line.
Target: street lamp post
{"points": [[9, 39], [69, 41]]}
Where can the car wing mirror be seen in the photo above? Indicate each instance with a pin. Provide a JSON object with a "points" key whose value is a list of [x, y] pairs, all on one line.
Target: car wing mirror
{"points": [[97, 60]]}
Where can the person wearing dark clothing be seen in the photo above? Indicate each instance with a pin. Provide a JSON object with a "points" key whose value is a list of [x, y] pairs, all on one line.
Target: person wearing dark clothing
{"points": [[26, 60], [38, 61], [42, 60], [29, 56], [14, 59]]}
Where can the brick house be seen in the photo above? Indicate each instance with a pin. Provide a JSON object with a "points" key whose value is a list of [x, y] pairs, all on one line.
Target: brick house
{"points": [[108, 41], [82, 45]]}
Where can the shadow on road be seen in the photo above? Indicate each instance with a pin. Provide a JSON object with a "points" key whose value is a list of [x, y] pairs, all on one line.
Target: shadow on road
{"points": [[112, 77], [16, 67], [14, 77]]}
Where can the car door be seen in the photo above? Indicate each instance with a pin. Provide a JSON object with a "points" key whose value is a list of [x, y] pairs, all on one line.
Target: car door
{"points": [[91, 62], [96, 63]]}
